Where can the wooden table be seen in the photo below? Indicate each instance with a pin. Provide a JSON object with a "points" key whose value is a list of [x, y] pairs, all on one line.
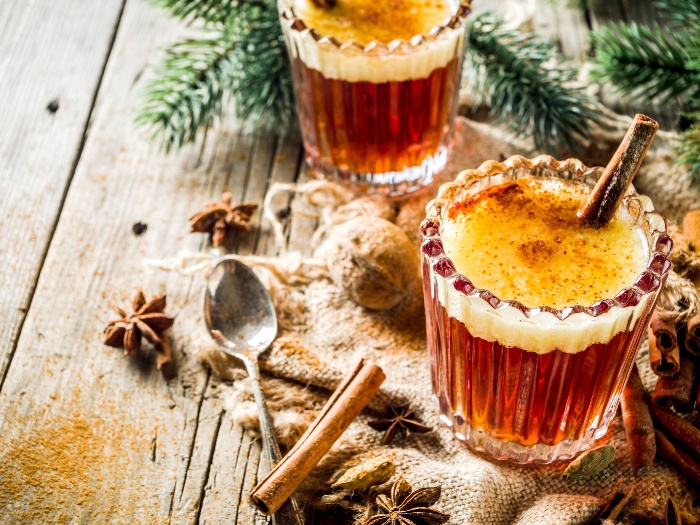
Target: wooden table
{"points": [[86, 435]]}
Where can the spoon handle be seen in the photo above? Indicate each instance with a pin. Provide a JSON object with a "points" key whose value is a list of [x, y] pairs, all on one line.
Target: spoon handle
{"points": [[289, 514]]}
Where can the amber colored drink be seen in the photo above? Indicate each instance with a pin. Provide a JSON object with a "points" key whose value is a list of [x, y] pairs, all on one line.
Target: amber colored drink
{"points": [[375, 85], [534, 320], [352, 128]]}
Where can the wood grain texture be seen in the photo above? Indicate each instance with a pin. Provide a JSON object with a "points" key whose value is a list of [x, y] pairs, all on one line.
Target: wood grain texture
{"points": [[52, 55], [565, 25], [145, 438]]}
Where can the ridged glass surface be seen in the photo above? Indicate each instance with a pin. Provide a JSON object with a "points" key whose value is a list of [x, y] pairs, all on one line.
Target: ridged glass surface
{"points": [[387, 137], [519, 405]]}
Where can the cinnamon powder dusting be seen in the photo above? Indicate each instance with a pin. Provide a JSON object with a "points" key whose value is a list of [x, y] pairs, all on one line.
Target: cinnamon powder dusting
{"points": [[63, 470]]}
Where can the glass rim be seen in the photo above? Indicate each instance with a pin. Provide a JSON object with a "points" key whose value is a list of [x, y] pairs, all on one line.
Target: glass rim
{"points": [[439, 32], [647, 282]]}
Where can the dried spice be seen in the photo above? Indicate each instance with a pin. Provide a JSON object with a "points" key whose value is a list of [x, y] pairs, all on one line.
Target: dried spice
{"points": [[639, 428], [401, 419], [372, 472], [611, 509], [146, 319], [408, 507], [671, 514], [590, 463], [219, 218]]}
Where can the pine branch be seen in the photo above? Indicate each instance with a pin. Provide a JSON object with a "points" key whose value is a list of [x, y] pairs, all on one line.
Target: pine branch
{"points": [[513, 74], [641, 60], [245, 61], [262, 80], [211, 11], [189, 89]]}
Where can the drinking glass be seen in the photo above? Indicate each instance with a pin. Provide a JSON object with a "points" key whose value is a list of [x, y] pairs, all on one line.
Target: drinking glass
{"points": [[377, 116], [502, 387]]}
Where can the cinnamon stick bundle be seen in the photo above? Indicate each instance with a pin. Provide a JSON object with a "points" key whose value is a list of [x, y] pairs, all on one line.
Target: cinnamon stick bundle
{"points": [[639, 428], [677, 428], [663, 326], [346, 403], [663, 364], [677, 391], [692, 335], [687, 465]]}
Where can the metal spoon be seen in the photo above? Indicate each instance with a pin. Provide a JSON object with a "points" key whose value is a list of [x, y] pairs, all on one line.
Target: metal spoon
{"points": [[241, 318]]}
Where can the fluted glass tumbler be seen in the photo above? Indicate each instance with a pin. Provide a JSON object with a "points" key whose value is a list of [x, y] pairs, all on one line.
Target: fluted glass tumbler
{"points": [[377, 116], [532, 385]]}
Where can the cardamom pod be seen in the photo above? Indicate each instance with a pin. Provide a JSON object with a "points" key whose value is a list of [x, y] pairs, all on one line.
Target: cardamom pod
{"points": [[372, 472], [590, 463]]}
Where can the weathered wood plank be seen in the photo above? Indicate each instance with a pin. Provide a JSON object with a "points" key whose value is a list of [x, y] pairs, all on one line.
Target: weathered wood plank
{"points": [[285, 168], [247, 180], [224, 167], [566, 25], [52, 55], [236, 461], [138, 438], [301, 226], [643, 12]]}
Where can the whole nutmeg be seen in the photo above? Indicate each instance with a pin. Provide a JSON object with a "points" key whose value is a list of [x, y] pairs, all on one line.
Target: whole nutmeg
{"points": [[373, 260]]}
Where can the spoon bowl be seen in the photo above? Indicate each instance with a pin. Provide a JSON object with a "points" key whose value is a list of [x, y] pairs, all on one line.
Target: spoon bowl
{"points": [[238, 307]]}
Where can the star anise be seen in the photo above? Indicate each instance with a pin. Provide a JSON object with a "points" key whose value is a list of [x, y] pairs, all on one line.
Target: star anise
{"points": [[146, 319], [218, 218], [401, 419], [408, 507]]}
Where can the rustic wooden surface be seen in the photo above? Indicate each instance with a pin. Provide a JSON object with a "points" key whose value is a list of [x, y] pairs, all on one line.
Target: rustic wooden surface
{"points": [[86, 435]]}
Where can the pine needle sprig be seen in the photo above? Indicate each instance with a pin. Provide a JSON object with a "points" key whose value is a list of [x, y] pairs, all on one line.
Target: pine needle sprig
{"points": [[638, 59], [209, 11], [262, 80], [189, 89], [527, 84], [243, 59], [680, 11]]}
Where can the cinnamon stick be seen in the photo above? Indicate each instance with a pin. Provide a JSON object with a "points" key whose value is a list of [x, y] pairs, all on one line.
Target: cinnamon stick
{"points": [[663, 326], [615, 496], [677, 391], [607, 194], [639, 428], [346, 403], [692, 335], [676, 456], [663, 364], [677, 428], [671, 514]]}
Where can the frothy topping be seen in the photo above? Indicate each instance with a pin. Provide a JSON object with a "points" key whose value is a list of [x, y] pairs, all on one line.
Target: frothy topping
{"points": [[384, 21], [365, 21], [522, 241]]}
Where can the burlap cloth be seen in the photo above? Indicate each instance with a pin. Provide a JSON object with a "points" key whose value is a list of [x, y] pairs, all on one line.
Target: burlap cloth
{"points": [[323, 334]]}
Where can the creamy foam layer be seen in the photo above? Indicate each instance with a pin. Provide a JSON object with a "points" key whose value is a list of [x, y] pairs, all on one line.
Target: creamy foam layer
{"points": [[542, 332], [366, 21]]}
